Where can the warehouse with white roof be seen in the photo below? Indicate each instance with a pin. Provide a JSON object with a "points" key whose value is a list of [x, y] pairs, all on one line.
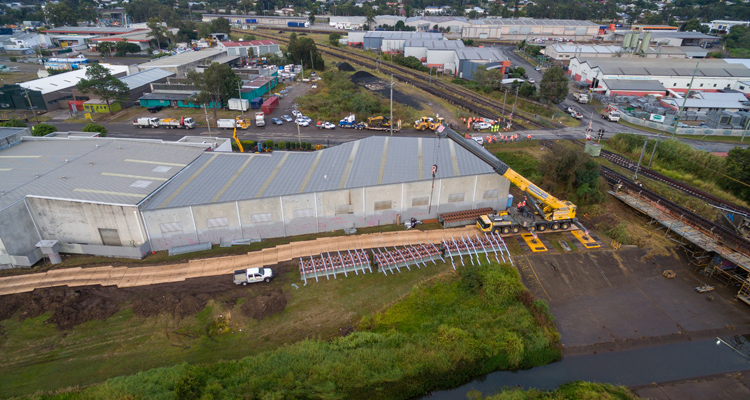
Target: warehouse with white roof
{"points": [[125, 198]]}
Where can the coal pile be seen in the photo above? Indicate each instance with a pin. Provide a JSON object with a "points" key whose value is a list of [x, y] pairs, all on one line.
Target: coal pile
{"points": [[346, 67]]}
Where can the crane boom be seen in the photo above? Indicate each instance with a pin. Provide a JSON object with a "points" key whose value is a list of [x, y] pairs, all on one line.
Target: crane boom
{"points": [[236, 139], [554, 208]]}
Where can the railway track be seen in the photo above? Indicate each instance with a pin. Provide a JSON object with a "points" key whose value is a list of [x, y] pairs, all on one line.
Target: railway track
{"points": [[685, 188], [727, 236], [455, 94]]}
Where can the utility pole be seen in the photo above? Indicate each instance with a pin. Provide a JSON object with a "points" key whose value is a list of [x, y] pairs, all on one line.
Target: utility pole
{"points": [[635, 177], [504, 96], [682, 107], [299, 135], [31, 107], [239, 92], [391, 120], [207, 123], [654, 150]]}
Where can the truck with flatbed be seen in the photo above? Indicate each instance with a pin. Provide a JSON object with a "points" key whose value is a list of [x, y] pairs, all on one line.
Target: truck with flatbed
{"points": [[350, 122], [543, 212], [611, 114], [260, 119], [380, 123], [146, 122], [175, 123], [252, 275]]}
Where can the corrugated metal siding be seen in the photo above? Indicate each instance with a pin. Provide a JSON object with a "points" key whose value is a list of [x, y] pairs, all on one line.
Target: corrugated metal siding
{"points": [[330, 169], [401, 161], [366, 165], [291, 174]]}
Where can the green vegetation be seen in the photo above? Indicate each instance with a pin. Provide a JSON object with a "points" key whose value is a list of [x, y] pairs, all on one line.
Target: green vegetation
{"points": [[698, 168], [572, 175], [338, 96], [304, 51], [100, 82], [554, 85], [42, 129], [13, 123], [523, 163], [92, 127], [440, 335], [571, 390], [333, 39]]}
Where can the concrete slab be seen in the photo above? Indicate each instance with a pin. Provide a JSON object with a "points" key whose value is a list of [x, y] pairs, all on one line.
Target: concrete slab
{"points": [[721, 387]]}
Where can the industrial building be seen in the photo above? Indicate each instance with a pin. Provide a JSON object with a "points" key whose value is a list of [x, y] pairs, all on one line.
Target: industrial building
{"points": [[52, 92], [140, 82], [526, 28], [141, 37], [250, 20], [125, 198], [632, 87], [254, 47], [561, 54], [447, 24], [392, 42], [181, 64], [711, 75], [65, 36]]}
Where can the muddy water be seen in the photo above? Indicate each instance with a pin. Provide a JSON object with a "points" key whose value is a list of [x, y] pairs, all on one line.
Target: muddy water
{"points": [[629, 368]]}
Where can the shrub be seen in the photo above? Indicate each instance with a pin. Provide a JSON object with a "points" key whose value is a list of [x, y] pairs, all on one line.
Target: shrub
{"points": [[13, 123], [91, 127], [269, 144], [42, 129]]}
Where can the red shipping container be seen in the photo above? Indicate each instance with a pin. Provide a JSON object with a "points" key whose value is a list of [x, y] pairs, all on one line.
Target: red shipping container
{"points": [[270, 104]]}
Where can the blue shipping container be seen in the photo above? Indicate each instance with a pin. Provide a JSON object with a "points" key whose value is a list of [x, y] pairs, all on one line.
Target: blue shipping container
{"points": [[256, 103]]}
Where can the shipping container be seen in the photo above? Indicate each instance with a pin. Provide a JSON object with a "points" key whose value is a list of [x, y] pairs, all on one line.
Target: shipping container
{"points": [[239, 104], [256, 103], [299, 24], [270, 104]]}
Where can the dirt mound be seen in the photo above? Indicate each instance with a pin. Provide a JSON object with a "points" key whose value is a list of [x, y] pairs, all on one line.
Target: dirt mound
{"points": [[74, 306], [265, 304], [377, 85], [344, 66]]}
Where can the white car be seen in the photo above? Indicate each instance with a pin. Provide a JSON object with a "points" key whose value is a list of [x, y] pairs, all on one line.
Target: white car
{"points": [[537, 68], [325, 125], [478, 139], [302, 122], [252, 275], [296, 113], [287, 118], [531, 81], [482, 125], [576, 115], [314, 86]]}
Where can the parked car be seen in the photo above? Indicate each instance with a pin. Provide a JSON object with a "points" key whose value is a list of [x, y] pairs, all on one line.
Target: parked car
{"points": [[287, 118], [570, 110], [478, 139], [276, 121], [296, 113], [155, 109], [538, 68], [481, 126], [325, 125], [531, 81], [302, 122], [252, 275], [575, 114]]}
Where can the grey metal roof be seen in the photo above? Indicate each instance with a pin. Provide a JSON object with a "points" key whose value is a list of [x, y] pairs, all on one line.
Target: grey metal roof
{"points": [[435, 44], [480, 53], [166, 96], [531, 22], [666, 67], [634, 84], [183, 58], [377, 160], [91, 29], [145, 77], [390, 35], [7, 132], [101, 170]]}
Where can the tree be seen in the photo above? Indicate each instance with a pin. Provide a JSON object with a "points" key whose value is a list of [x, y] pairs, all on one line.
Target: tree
{"points": [[370, 18], [91, 127], [105, 48], [158, 31], [488, 79], [333, 39], [738, 167], [554, 85], [303, 51], [527, 90], [311, 18], [220, 25], [103, 85], [69, 12], [694, 25], [217, 84], [123, 47], [42, 129]]}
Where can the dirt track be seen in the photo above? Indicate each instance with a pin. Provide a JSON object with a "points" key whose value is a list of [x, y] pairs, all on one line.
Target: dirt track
{"points": [[123, 277]]}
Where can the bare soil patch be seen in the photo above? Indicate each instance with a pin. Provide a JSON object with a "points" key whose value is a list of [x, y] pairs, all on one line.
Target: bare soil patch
{"points": [[377, 85], [74, 306]]}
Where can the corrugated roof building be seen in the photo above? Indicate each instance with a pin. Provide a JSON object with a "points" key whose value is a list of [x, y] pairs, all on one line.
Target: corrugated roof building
{"points": [[372, 181], [140, 82]]}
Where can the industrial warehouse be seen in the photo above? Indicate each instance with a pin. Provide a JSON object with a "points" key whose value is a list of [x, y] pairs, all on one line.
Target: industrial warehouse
{"points": [[200, 196]]}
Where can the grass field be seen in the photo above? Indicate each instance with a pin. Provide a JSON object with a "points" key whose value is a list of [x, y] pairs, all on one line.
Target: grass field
{"points": [[39, 357], [444, 332]]}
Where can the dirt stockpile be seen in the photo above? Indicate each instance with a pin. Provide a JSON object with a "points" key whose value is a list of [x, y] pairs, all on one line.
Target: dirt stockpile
{"points": [[377, 85], [74, 306], [344, 66]]}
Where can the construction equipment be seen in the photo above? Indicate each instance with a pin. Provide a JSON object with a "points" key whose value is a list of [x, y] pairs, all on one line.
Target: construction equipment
{"points": [[545, 211], [427, 123], [381, 123], [237, 140], [350, 122]]}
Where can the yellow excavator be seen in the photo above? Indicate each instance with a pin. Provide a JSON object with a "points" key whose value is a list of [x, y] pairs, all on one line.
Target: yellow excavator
{"points": [[543, 212], [428, 123]]}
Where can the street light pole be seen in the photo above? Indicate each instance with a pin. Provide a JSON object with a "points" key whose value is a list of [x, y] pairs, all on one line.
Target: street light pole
{"points": [[31, 107], [239, 92], [391, 120], [206, 113], [684, 101]]}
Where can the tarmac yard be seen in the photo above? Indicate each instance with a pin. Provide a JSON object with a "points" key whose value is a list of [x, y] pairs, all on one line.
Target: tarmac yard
{"points": [[619, 299]]}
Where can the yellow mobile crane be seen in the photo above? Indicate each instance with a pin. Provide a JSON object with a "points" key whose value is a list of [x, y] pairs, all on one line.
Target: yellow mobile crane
{"points": [[236, 139], [545, 211]]}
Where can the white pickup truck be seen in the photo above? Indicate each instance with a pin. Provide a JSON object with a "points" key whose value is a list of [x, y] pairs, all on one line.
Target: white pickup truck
{"points": [[252, 275]]}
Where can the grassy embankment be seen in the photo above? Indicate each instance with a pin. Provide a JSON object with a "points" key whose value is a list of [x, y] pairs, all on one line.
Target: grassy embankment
{"points": [[440, 335]]}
